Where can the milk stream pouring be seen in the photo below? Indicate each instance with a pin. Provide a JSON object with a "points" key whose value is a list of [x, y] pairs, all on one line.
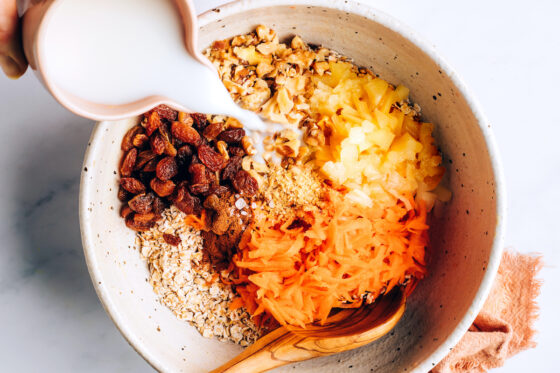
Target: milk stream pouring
{"points": [[119, 51]]}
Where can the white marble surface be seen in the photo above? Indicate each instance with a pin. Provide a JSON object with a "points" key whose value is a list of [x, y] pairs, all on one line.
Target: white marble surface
{"points": [[52, 321]]}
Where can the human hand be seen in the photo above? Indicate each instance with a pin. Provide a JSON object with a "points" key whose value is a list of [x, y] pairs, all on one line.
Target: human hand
{"points": [[12, 59]]}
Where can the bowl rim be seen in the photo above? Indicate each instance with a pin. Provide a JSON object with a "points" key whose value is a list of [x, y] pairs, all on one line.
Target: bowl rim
{"points": [[370, 12]]}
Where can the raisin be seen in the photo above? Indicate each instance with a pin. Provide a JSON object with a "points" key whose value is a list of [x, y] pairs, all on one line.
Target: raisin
{"points": [[211, 159], [143, 158], [198, 174], [164, 131], [166, 112], [140, 140], [151, 166], [169, 148], [144, 218], [142, 203], [213, 130], [187, 118], [125, 211], [127, 144], [167, 168], [200, 183], [244, 183], [199, 188], [219, 190], [145, 177], [171, 239], [236, 151], [184, 155], [123, 195], [189, 204], [200, 121], [152, 123], [234, 165], [157, 143], [233, 135], [185, 133], [133, 185], [180, 192], [176, 142], [214, 180], [158, 206], [162, 188], [138, 226], [128, 162]]}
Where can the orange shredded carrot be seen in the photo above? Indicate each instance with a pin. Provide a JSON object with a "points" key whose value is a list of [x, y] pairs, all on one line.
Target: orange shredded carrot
{"points": [[297, 273], [235, 304], [199, 223]]}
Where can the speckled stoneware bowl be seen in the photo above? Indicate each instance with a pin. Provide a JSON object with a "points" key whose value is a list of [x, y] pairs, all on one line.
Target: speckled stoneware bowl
{"points": [[466, 235]]}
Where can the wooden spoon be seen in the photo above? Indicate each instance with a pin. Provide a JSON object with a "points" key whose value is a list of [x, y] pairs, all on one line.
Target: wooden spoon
{"points": [[346, 330]]}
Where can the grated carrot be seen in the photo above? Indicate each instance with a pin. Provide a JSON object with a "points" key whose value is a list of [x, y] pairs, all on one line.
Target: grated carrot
{"points": [[235, 304], [199, 223], [298, 270]]}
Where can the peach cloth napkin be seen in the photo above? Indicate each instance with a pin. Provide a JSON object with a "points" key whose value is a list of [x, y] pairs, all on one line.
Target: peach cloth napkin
{"points": [[504, 326]]}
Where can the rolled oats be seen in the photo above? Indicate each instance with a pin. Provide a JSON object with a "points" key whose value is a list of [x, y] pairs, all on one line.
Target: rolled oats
{"points": [[187, 284]]}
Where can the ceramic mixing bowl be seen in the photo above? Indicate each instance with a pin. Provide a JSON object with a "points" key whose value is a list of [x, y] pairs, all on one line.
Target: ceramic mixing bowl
{"points": [[466, 233]]}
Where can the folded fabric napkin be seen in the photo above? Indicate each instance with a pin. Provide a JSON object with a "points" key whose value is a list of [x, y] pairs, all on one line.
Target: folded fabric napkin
{"points": [[504, 326]]}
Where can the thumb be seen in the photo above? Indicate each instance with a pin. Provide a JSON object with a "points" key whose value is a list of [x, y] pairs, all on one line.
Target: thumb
{"points": [[12, 59]]}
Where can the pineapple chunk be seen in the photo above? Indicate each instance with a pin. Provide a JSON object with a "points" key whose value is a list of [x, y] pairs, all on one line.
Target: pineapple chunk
{"points": [[338, 71], [401, 92], [363, 109], [357, 136], [388, 101], [383, 138], [334, 171], [348, 153], [411, 126], [376, 90], [398, 120], [359, 197], [341, 70], [367, 126], [386, 121], [371, 172], [405, 148]]}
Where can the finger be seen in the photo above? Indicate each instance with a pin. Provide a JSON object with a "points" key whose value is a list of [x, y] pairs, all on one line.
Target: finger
{"points": [[12, 59]]}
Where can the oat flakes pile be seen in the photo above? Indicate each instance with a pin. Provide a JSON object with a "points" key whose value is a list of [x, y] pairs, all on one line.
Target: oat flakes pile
{"points": [[187, 284]]}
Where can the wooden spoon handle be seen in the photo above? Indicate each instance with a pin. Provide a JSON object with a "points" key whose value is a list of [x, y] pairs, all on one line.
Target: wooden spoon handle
{"points": [[348, 329], [271, 351], [282, 346]]}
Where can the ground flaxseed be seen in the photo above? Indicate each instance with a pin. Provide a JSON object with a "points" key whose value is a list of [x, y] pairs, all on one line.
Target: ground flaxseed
{"points": [[287, 190]]}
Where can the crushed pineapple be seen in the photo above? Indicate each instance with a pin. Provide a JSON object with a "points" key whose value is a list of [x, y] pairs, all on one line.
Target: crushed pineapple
{"points": [[373, 146]]}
